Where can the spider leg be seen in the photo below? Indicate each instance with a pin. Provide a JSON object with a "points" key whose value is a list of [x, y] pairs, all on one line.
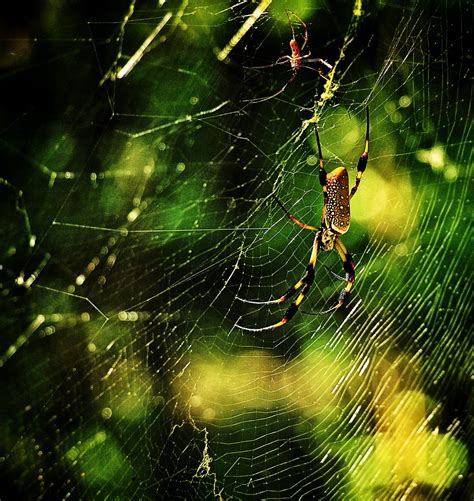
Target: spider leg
{"points": [[322, 174], [262, 99], [349, 265], [362, 164], [281, 60], [293, 218], [288, 12], [306, 281], [305, 38], [290, 292], [322, 66], [302, 281]]}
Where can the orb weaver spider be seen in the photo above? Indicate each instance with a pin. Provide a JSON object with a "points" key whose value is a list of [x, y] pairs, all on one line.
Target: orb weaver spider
{"points": [[322, 67], [335, 222]]}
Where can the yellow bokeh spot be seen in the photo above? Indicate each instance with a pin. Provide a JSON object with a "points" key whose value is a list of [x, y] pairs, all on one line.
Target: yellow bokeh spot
{"points": [[407, 451], [390, 107], [80, 279], [106, 413], [451, 173], [401, 249], [212, 388], [209, 414], [312, 160], [396, 117], [382, 204], [133, 215], [122, 316], [436, 157], [404, 101], [195, 401]]}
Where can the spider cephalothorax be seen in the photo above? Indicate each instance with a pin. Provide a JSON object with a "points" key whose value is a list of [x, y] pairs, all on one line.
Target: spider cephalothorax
{"points": [[335, 222], [327, 240]]}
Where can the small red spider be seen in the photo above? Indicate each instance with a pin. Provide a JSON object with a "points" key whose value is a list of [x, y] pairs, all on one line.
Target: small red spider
{"points": [[296, 59]]}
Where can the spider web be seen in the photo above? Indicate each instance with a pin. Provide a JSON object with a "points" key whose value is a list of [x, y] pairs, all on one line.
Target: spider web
{"points": [[137, 168]]}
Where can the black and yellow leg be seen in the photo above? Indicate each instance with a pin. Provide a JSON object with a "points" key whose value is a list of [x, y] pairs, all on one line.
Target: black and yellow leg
{"points": [[322, 170], [349, 265], [363, 159], [290, 292], [293, 218], [294, 306], [305, 283]]}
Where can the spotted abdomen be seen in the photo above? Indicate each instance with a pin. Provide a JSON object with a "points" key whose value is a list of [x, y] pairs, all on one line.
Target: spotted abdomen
{"points": [[338, 213]]}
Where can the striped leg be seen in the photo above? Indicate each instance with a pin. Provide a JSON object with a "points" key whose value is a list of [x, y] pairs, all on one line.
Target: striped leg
{"points": [[322, 170], [362, 164], [349, 265], [305, 283]]}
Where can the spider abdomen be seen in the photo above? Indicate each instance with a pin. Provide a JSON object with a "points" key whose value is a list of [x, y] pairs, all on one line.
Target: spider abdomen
{"points": [[338, 212], [295, 58]]}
